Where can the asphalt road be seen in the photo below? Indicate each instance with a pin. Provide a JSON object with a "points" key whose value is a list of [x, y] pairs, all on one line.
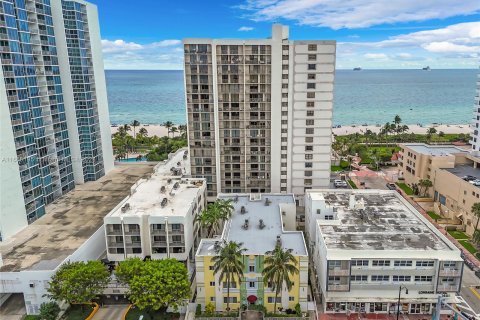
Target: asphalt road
{"points": [[111, 312], [472, 297]]}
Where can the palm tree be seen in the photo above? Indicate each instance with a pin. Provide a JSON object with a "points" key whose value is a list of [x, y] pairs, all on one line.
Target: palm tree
{"points": [[143, 132], [228, 262], [424, 185], [226, 208], [135, 124], [168, 125], [126, 128], [280, 265], [173, 130], [211, 218], [476, 232], [430, 132], [182, 129]]}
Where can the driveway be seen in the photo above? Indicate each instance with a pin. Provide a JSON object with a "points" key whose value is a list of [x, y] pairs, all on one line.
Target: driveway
{"points": [[13, 308], [111, 312]]}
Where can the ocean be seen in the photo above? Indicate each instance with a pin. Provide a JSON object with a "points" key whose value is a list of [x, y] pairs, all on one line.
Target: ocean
{"points": [[367, 96]]}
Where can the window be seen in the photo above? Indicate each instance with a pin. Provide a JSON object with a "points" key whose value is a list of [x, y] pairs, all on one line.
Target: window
{"points": [[333, 280], [402, 263], [423, 278], [312, 57], [310, 104], [176, 227], [308, 156], [212, 299], [309, 131], [359, 278], [309, 122], [284, 113], [308, 148], [232, 300], [308, 165], [291, 298], [359, 263], [380, 278], [212, 283], [137, 250], [233, 285], [251, 268], [310, 85], [272, 299], [307, 182], [308, 173], [402, 278], [136, 239], [211, 268], [310, 113], [381, 263], [312, 66], [311, 76], [118, 239], [312, 47], [284, 76], [311, 95], [176, 238], [308, 139], [449, 264], [424, 263], [328, 217]]}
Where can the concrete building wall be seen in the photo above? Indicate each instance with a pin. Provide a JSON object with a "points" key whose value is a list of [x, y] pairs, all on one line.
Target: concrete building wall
{"points": [[475, 135], [12, 208]]}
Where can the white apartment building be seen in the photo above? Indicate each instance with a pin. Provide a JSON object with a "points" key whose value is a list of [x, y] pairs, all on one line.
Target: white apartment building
{"points": [[157, 219], [54, 122], [367, 245], [260, 113], [475, 136]]}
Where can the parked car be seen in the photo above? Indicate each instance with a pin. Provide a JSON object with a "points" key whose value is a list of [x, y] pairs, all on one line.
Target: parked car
{"points": [[391, 186], [475, 182], [469, 178], [340, 184]]}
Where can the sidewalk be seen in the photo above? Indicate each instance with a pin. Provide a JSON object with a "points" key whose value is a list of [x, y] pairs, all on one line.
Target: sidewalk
{"points": [[373, 316]]}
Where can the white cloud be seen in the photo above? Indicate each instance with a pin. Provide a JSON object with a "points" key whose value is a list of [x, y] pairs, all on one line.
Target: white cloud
{"points": [[164, 54], [337, 14], [119, 46], [375, 56], [245, 28], [445, 46]]}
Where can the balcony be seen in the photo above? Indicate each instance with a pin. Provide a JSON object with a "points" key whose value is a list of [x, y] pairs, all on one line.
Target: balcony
{"points": [[338, 272], [337, 287], [450, 273]]}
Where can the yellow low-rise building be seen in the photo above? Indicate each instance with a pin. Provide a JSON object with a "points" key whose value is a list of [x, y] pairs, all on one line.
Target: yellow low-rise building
{"points": [[259, 222]]}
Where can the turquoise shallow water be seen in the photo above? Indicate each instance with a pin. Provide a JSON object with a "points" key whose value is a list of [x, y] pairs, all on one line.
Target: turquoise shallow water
{"points": [[367, 96]]}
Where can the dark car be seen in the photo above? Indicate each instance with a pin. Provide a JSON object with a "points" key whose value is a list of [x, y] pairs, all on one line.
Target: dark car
{"points": [[391, 186]]}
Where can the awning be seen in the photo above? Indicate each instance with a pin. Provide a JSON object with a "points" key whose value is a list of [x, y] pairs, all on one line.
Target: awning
{"points": [[252, 298]]}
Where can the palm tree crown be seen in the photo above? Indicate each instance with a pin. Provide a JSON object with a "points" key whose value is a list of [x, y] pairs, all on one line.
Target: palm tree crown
{"points": [[228, 262], [280, 265]]}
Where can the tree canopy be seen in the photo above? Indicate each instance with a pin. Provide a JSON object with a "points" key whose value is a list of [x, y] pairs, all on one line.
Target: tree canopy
{"points": [[155, 284], [78, 282]]}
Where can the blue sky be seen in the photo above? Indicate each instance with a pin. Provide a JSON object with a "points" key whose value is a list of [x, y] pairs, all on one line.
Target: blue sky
{"points": [[146, 34]]}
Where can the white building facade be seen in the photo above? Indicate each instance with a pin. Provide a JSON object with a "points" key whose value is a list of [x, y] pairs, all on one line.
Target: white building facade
{"points": [[54, 112], [475, 136], [369, 246], [157, 219], [260, 113]]}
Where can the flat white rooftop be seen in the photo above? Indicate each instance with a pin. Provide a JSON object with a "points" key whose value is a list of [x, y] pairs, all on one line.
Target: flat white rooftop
{"points": [[386, 222], [257, 241], [434, 150]]}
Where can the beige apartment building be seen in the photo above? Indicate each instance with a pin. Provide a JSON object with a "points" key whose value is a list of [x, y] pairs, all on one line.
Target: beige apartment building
{"points": [[260, 113], [448, 167]]}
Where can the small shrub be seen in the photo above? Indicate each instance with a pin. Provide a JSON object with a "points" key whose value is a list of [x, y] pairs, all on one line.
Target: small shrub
{"points": [[298, 310], [198, 310], [49, 311], [209, 309]]}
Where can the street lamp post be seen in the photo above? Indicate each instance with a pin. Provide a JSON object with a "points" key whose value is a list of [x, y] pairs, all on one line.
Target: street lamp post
{"points": [[399, 294]]}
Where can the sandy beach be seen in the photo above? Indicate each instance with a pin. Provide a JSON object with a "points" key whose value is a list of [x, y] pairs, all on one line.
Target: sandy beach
{"points": [[158, 130]]}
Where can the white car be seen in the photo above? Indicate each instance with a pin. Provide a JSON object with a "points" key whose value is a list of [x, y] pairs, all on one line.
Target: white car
{"points": [[340, 184]]}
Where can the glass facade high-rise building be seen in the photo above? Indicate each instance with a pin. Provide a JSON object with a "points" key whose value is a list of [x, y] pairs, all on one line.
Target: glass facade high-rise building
{"points": [[54, 112]]}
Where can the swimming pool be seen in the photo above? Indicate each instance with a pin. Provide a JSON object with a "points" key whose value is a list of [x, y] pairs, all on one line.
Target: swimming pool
{"points": [[143, 159]]}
